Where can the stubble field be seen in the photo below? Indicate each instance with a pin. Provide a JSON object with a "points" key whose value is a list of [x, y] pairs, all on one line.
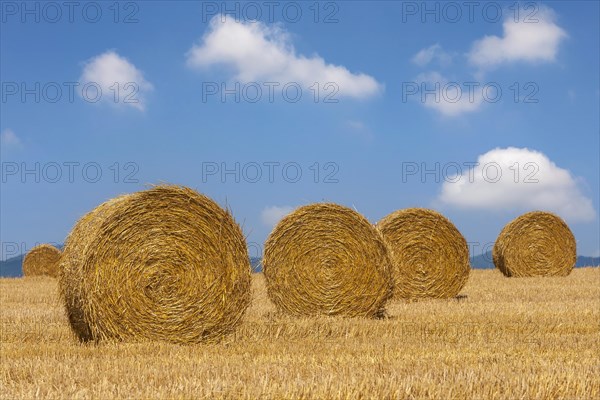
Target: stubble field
{"points": [[502, 338]]}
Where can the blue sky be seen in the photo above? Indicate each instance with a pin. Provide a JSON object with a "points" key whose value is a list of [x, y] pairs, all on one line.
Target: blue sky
{"points": [[366, 150]]}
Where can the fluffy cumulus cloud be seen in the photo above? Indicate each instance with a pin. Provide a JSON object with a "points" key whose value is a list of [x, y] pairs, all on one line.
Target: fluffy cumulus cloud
{"points": [[257, 52], [432, 53], [120, 82], [270, 216], [534, 38], [450, 99], [8, 138], [518, 179]]}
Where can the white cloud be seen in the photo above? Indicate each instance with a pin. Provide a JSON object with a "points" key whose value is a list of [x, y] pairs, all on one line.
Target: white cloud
{"points": [[539, 184], [109, 68], [270, 216], [262, 53], [521, 41], [434, 52], [8, 138], [450, 99]]}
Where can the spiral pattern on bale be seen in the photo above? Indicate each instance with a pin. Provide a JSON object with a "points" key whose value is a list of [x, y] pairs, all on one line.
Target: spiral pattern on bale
{"points": [[326, 259], [164, 264], [537, 243], [42, 260], [430, 256]]}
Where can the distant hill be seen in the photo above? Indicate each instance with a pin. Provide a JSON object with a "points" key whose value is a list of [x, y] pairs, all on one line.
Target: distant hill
{"points": [[583, 261], [484, 261], [255, 263], [12, 268]]}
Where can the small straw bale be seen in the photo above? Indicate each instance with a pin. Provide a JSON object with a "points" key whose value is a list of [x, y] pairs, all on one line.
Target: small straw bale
{"points": [[326, 259], [430, 256], [537, 243], [165, 264], [42, 260]]}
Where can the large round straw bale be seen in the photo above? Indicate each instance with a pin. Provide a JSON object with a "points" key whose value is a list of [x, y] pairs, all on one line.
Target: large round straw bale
{"points": [[430, 256], [163, 264], [535, 244], [325, 259], [42, 260]]}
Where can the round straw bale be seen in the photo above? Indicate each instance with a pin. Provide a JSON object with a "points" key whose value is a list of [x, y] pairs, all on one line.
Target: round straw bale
{"points": [[535, 244], [42, 260], [163, 264], [325, 259], [430, 256]]}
